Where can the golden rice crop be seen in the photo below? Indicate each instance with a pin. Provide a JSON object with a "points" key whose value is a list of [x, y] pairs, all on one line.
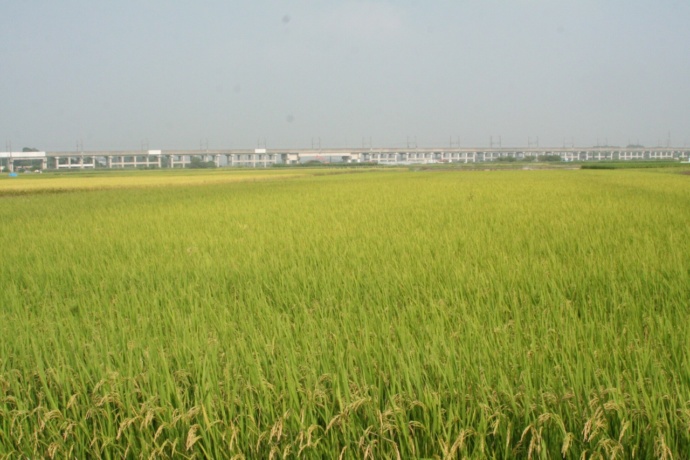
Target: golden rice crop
{"points": [[389, 314]]}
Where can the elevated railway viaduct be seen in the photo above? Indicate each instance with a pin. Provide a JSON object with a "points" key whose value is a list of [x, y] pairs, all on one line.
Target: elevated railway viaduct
{"points": [[270, 157]]}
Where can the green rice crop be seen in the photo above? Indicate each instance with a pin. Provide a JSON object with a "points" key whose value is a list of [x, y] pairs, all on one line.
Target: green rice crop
{"points": [[633, 164], [384, 314]]}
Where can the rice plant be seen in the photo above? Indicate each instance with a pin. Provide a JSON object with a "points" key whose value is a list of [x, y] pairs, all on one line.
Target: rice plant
{"points": [[387, 314]]}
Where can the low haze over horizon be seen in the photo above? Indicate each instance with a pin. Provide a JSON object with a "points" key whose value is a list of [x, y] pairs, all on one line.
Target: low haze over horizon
{"points": [[121, 75]]}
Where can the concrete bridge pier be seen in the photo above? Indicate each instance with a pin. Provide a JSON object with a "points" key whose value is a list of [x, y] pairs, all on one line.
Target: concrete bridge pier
{"points": [[179, 162]]}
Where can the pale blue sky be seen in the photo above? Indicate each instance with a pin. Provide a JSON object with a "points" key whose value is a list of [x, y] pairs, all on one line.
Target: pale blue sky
{"points": [[114, 74]]}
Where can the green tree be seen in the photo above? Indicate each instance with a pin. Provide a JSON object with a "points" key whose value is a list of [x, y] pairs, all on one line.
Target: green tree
{"points": [[196, 163]]}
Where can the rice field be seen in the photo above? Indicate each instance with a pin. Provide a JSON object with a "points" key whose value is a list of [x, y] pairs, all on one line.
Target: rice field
{"points": [[383, 314], [100, 180]]}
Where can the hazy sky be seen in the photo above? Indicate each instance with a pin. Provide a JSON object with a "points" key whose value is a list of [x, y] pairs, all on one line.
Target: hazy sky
{"points": [[113, 74]]}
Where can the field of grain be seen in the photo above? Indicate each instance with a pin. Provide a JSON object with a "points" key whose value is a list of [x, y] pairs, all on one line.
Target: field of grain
{"points": [[113, 179], [383, 314]]}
